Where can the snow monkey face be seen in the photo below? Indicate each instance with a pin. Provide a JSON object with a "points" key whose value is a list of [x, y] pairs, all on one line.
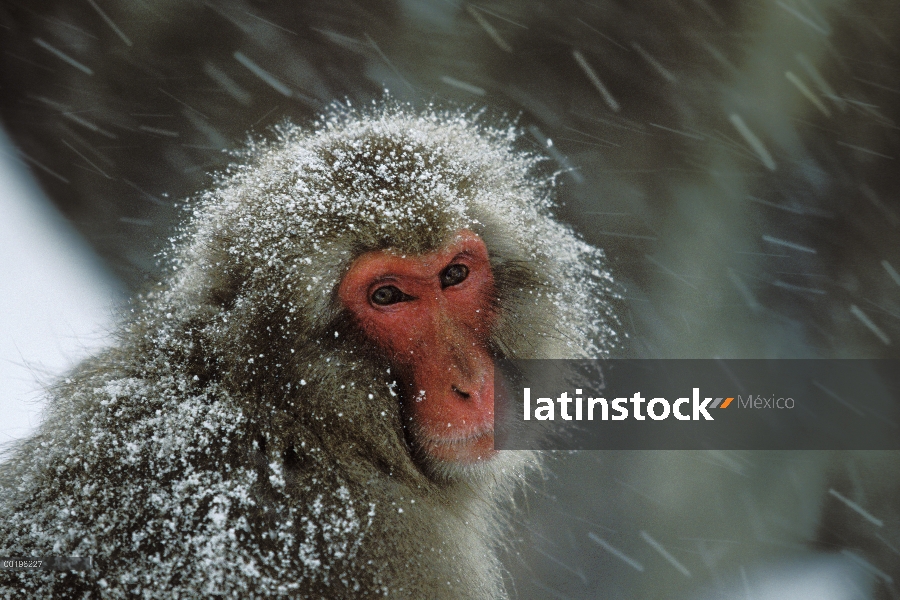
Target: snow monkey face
{"points": [[433, 315]]}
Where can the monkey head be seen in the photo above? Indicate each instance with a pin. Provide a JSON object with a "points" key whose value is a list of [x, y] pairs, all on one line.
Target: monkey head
{"points": [[364, 277]]}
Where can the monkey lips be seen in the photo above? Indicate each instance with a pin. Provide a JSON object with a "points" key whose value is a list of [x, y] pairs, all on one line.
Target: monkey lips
{"points": [[433, 315]]}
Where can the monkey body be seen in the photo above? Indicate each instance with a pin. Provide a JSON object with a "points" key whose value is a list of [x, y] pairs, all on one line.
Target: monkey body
{"points": [[256, 434], [191, 503]]}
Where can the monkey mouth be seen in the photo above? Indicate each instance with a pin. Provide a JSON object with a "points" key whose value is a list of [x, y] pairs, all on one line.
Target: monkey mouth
{"points": [[463, 448]]}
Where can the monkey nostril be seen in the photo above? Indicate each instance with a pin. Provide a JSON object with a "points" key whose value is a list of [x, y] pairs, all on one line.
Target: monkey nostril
{"points": [[460, 393]]}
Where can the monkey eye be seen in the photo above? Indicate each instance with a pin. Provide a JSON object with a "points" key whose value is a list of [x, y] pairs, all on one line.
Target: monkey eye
{"points": [[454, 275], [387, 295]]}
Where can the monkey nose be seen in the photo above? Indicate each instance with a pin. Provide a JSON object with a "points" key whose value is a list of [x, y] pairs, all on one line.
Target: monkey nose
{"points": [[459, 392]]}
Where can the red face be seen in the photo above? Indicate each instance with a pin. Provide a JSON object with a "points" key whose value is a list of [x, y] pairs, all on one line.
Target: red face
{"points": [[433, 315]]}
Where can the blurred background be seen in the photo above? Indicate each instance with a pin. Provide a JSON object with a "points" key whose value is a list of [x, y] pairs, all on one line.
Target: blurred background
{"points": [[736, 160]]}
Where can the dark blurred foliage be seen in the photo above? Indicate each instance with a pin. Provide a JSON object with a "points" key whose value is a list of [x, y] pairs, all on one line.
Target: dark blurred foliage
{"points": [[717, 253]]}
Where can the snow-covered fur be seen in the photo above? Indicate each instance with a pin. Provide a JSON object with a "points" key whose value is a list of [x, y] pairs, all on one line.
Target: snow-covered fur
{"points": [[242, 439]]}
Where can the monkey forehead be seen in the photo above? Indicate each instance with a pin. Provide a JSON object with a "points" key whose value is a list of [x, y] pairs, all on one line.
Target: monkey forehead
{"points": [[464, 246]]}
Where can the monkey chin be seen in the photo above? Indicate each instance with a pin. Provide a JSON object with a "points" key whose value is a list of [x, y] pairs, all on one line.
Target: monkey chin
{"points": [[457, 456], [467, 451]]}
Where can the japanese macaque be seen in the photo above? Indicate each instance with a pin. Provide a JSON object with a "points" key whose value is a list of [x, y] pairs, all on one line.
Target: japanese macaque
{"points": [[305, 406]]}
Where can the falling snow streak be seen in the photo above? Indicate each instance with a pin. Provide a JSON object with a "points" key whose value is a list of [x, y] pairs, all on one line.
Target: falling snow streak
{"points": [[68, 114], [753, 141], [267, 77], [891, 271], [616, 552], [665, 554], [807, 93], [227, 83], [158, 131], [786, 244], [110, 22], [820, 81], [867, 566], [856, 508], [664, 72], [62, 55], [42, 167], [86, 159], [595, 79], [182, 103], [838, 398], [865, 150], [489, 29], [745, 292], [388, 61], [804, 19], [462, 85], [864, 318]]}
